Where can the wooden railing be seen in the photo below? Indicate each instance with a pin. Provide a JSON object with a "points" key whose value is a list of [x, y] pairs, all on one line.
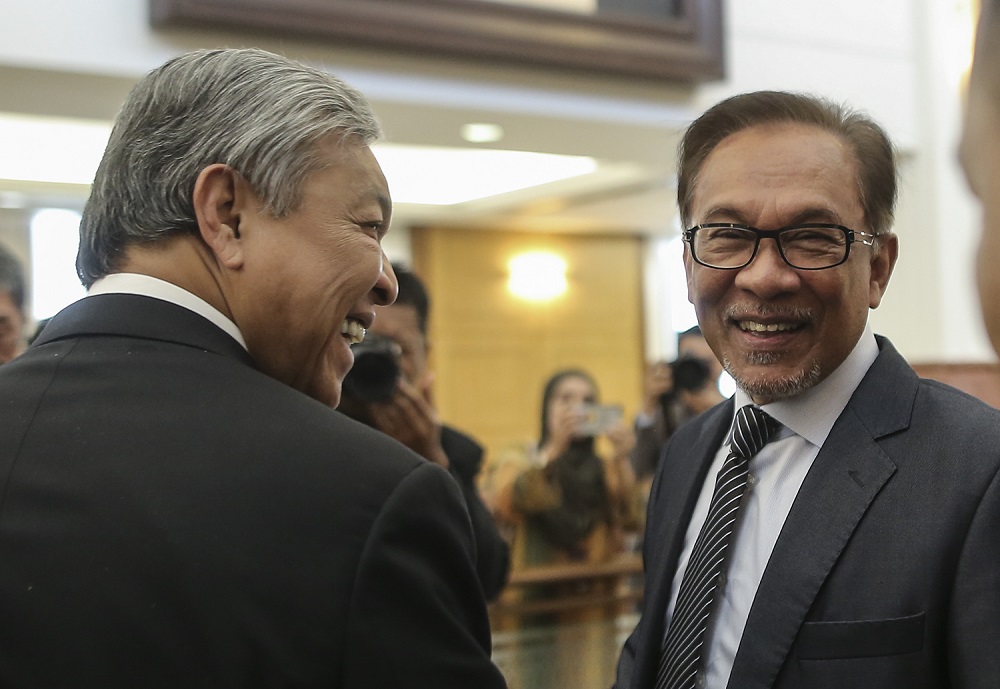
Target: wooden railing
{"points": [[613, 584], [978, 379]]}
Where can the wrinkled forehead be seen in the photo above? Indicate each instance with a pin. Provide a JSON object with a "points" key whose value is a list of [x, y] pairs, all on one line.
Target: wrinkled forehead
{"points": [[801, 172]]}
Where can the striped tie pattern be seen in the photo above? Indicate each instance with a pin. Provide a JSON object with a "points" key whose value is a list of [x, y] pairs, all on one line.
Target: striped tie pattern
{"points": [[682, 649]]}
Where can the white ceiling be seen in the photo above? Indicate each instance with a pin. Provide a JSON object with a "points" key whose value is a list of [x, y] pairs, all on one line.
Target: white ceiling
{"points": [[629, 128]]}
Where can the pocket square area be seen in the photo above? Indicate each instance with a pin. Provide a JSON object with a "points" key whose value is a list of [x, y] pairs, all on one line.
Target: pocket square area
{"points": [[861, 638]]}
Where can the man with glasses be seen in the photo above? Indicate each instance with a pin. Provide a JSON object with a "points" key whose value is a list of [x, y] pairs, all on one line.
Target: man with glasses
{"points": [[835, 524]]}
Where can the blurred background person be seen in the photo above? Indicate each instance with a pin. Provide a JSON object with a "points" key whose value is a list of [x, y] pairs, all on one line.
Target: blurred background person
{"points": [[390, 389], [673, 393], [561, 499], [980, 157], [12, 317]]}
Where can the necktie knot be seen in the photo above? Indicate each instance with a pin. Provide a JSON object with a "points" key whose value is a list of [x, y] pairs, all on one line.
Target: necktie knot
{"points": [[751, 431]]}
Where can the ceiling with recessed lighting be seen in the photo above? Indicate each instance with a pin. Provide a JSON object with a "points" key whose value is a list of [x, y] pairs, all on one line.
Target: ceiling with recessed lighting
{"points": [[515, 149]]}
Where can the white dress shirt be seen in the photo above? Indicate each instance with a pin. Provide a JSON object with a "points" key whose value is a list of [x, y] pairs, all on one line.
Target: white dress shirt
{"points": [[135, 283], [776, 474]]}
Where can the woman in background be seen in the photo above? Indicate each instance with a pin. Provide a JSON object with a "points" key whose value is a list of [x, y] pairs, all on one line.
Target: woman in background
{"points": [[561, 500]]}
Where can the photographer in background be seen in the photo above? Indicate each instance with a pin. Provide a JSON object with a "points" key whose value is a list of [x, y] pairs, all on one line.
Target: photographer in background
{"points": [[389, 388], [674, 393]]}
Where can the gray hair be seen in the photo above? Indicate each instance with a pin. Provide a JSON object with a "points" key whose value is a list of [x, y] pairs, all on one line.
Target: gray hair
{"points": [[262, 114]]}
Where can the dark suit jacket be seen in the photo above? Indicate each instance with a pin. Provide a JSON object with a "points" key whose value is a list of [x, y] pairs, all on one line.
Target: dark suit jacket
{"points": [[171, 517], [465, 459], [886, 574]]}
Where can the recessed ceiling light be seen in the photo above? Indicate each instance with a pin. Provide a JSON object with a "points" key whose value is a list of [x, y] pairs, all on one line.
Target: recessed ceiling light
{"points": [[59, 150], [482, 132]]}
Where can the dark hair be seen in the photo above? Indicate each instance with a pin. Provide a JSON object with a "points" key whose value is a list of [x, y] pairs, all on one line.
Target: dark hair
{"points": [[693, 331], [12, 277], [550, 390], [412, 292], [873, 150]]}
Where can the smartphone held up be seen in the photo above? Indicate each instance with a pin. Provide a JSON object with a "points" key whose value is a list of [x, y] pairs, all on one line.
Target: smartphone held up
{"points": [[597, 419]]}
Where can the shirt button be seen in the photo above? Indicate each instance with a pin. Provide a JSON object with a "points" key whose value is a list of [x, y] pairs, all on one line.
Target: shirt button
{"points": [[699, 679], [722, 580], [751, 480]]}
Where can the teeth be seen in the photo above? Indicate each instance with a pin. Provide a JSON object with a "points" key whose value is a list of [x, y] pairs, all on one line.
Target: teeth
{"points": [[753, 326], [354, 331]]}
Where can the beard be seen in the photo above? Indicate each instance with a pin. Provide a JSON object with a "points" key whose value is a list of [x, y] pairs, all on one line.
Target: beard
{"points": [[764, 389]]}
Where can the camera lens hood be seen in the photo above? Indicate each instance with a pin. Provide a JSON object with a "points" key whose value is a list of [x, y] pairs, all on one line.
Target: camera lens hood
{"points": [[376, 370]]}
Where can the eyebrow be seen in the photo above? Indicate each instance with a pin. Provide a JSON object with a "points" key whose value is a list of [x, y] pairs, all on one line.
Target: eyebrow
{"points": [[807, 215], [385, 205], [384, 202]]}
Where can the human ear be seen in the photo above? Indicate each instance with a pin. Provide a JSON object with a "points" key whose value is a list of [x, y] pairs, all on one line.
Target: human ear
{"points": [[884, 256], [219, 195]]}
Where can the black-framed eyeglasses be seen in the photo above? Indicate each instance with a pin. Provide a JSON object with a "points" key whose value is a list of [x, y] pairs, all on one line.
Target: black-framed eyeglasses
{"points": [[809, 246]]}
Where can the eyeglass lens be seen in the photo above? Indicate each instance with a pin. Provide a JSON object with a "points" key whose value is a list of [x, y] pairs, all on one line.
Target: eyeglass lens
{"points": [[807, 248]]}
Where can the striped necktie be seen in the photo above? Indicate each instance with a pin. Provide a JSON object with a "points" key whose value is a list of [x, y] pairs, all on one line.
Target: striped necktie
{"points": [[681, 660]]}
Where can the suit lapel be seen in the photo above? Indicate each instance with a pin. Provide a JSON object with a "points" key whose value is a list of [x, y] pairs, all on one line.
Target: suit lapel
{"points": [[844, 481], [675, 491]]}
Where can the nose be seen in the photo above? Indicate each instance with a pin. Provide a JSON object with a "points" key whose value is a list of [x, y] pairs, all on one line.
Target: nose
{"points": [[768, 275], [386, 288]]}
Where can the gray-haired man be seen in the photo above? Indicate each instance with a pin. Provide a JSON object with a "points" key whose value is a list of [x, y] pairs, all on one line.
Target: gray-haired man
{"points": [[181, 507]]}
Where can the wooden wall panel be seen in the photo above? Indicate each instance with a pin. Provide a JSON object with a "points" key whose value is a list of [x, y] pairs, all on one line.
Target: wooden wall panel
{"points": [[492, 352], [978, 379]]}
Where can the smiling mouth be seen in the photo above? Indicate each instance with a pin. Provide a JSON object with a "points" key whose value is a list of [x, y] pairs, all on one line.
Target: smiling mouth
{"points": [[353, 330], [758, 327]]}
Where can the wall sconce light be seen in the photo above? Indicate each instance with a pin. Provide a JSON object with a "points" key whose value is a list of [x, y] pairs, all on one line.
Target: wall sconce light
{"points": [[537, 276]]}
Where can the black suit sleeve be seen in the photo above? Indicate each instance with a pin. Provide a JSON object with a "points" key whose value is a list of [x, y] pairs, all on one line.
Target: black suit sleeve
{"points": [[418, 615], [626, 662]]}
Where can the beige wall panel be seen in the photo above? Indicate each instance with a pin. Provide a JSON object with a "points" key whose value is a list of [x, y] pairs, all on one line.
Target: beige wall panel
{"points": [[492, 352]]}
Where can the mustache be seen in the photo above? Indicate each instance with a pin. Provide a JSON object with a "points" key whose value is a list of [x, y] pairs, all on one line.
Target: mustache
{"points": [[749, 311]]}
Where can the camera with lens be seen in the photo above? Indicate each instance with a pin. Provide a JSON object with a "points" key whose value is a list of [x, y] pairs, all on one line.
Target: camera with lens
{"points": [[376, 370], [690, 373]]}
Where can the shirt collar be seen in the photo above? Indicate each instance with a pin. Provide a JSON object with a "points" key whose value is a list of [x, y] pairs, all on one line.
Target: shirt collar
{"points": [[813, 413], [147, 285]]}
